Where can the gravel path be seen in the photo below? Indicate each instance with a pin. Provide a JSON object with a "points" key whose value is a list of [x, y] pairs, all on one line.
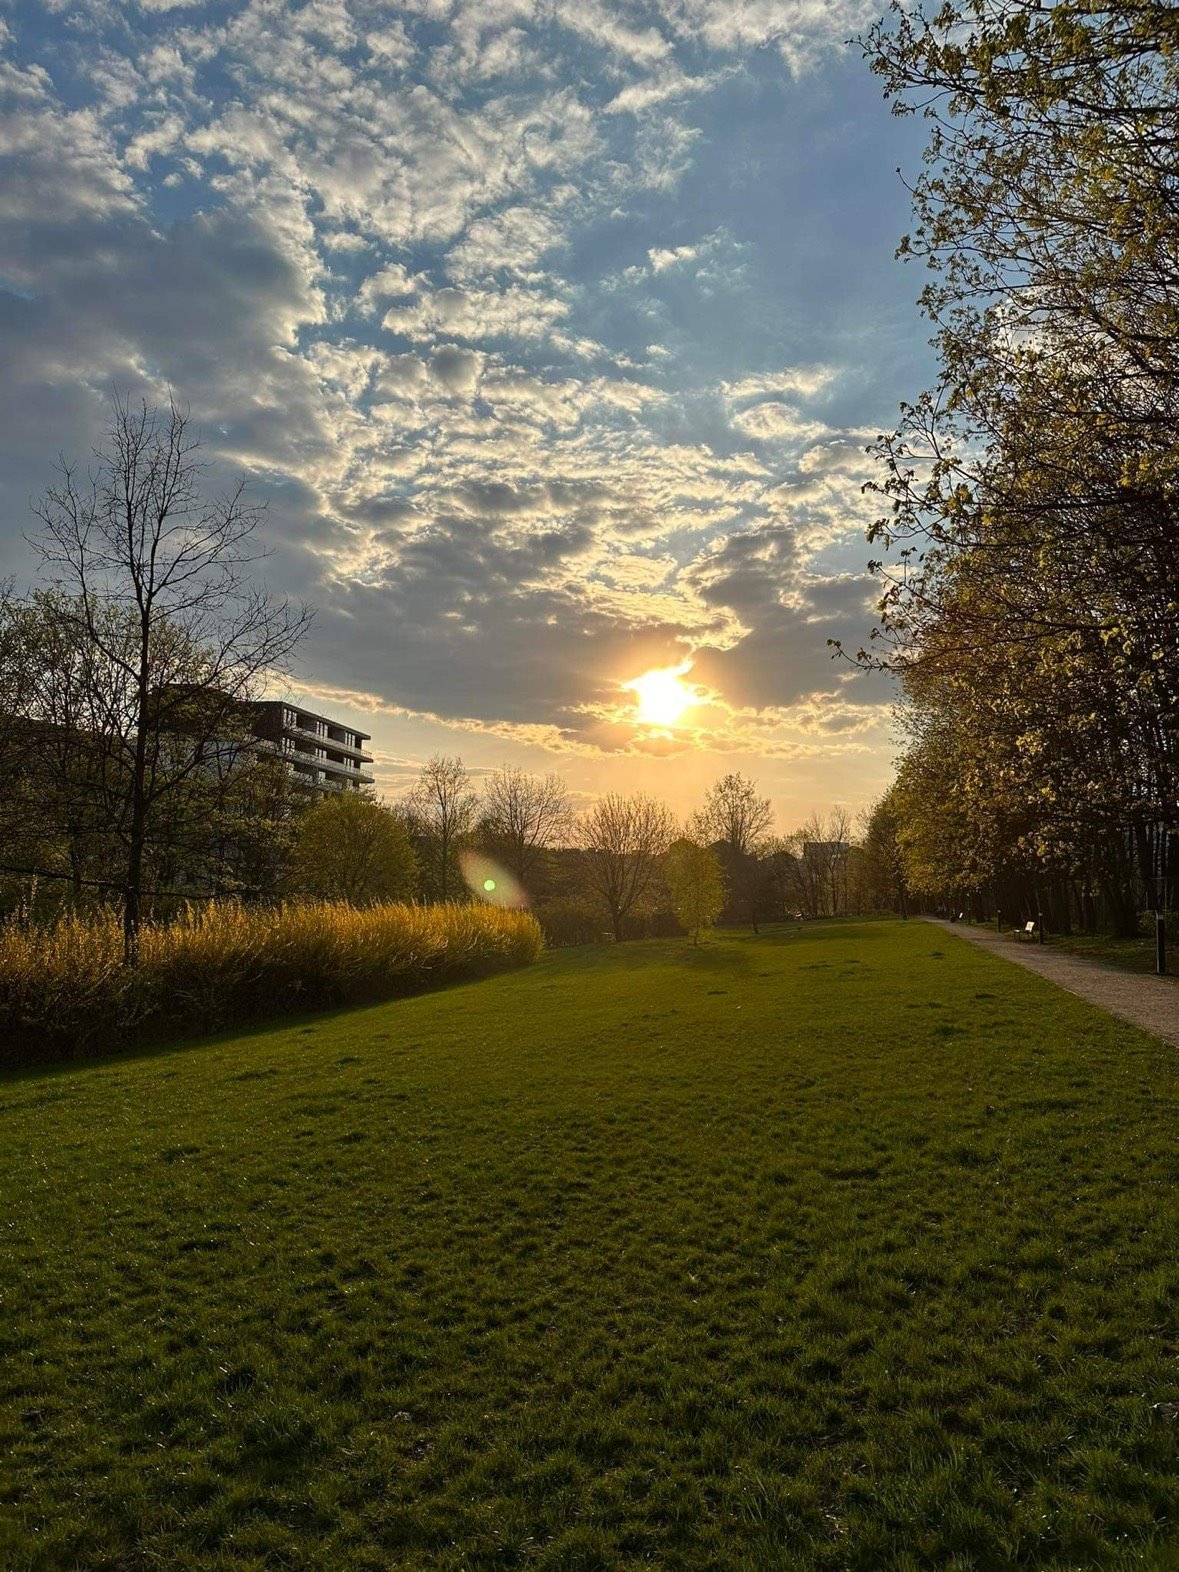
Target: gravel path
{"points": [[1149, 1002]]}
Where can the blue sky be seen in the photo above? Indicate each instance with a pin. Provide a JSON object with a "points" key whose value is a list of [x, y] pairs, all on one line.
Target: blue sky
{"points": [[553, 332]]}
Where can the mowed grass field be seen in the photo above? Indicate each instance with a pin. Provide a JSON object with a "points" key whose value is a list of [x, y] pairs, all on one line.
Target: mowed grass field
{"points": [[849, 1248]]}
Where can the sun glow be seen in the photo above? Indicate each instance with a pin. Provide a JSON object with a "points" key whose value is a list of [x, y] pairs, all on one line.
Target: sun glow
{"points": [[662, 697]]}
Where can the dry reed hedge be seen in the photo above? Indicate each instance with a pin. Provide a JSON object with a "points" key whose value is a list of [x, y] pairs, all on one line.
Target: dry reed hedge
{"points": [[64, 990]]}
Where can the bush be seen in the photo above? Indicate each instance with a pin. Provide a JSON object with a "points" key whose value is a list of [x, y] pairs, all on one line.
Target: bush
{"points": [[569, 920], [65, 992]]}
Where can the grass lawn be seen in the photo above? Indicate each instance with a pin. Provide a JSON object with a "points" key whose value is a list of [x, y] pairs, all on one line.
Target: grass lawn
{"points": [[1127, 955], [851, 1248]]}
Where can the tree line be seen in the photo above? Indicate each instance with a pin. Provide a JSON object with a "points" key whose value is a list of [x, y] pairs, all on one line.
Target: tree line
{"points": [[134, 777], [1030, 590]]}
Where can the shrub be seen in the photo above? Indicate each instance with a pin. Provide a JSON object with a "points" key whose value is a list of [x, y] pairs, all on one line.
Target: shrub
{"points": [[64, 991], [569, 919]]}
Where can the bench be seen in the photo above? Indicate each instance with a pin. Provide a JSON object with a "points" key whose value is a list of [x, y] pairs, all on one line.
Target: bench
{"points": [[1028, 931]]}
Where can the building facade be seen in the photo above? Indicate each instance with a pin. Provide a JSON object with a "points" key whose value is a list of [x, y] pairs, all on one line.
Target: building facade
{"points": [[321, 754]]}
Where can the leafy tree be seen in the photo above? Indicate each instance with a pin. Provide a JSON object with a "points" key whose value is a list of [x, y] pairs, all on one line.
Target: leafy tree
{"points": [[697, 888], [1033, 493], [623, 839], [349, 846]]}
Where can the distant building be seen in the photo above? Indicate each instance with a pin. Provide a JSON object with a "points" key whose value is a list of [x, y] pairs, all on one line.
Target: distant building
{"points": [[824, 852], [320, 753]]}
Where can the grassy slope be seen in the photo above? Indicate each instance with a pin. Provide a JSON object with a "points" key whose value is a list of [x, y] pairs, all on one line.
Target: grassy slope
{"points": [[848, 1249]]}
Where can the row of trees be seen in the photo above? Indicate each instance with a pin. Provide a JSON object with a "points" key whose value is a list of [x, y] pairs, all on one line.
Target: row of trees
{"points": [[1032, 601], [625, 866]]}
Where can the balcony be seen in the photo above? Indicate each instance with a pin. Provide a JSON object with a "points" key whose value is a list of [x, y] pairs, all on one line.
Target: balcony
{"points": [[323, 740]]}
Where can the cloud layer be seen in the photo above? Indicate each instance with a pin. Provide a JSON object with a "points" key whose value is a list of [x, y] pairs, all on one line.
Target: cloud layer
{"points": [[512, 308]]}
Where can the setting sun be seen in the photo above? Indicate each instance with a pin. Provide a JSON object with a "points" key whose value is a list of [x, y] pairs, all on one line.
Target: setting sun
{"points": [[662, 696]]}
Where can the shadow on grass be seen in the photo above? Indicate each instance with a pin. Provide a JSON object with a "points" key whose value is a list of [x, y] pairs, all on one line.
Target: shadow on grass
{"points": [[247, 1030], [726, 951]]}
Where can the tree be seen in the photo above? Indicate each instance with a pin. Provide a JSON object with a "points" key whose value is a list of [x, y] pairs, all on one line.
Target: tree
{"points": [[523, 815], [442, 810], [158, 593], [884, 870], [736, 816], [697, 889], [1034, 490], [349, 846], [622, 841]]}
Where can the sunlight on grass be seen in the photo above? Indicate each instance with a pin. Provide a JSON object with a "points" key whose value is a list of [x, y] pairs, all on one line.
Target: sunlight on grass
{"points": [[840, 1249]]}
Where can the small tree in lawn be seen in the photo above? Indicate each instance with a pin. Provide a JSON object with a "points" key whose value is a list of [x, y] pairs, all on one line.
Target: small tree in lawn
{"points": [[351, 847], [159, 594], [697, 887]]}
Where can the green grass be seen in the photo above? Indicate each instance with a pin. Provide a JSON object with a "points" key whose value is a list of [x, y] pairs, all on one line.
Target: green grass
{"points": [[1136, 954], [851, 1248], [1128, 955]]}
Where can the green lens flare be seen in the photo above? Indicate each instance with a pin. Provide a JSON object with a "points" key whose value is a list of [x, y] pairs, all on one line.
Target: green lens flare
{"points": [[489, 885]]}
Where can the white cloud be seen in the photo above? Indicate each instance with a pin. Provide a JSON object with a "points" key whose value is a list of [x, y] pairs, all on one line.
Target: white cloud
{"points": [[503, 513]]}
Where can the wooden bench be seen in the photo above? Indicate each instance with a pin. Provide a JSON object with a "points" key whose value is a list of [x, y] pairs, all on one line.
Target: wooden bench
{"points": [[1028, 931]]}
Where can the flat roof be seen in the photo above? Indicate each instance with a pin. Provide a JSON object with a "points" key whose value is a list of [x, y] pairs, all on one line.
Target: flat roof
{"points": [[289, 704]]}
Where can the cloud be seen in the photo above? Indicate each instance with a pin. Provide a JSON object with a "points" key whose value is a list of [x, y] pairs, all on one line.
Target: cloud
{"points": [[389, 257]]}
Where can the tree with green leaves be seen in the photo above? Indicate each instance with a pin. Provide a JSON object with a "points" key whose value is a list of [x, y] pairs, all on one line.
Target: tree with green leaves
{"points": [[697, 887], [348, 846], [1031, 600]]}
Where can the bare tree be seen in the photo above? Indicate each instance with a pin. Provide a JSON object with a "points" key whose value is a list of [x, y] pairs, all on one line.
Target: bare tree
{"points": [[524, 815], [820, 849], [159, 590], [736, 816], [734, 813], [622, 839], [442, 810]]}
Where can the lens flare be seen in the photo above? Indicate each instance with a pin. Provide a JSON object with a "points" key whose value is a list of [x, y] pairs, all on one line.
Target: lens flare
{"points": [[662, 697], [490, 882]]}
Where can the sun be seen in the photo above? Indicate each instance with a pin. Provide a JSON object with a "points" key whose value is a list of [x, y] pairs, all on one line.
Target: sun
{"points": [[662, 697]]}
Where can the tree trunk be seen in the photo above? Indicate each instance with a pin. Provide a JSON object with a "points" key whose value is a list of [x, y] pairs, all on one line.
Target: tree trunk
{"points": [[132, 898]]}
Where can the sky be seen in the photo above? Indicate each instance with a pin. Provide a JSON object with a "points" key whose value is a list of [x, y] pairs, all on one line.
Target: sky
{"points": [[552, 333]]}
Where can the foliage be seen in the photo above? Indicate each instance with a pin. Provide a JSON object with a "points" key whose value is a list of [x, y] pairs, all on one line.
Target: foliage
{"points": [[1033, 493], [572, 919], [585, 1267], [696, 886], [350, 847], [64, 989]]}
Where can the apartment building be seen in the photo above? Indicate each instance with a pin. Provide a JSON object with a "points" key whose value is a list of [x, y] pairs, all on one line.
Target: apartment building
{"points": [[321, 753]]}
